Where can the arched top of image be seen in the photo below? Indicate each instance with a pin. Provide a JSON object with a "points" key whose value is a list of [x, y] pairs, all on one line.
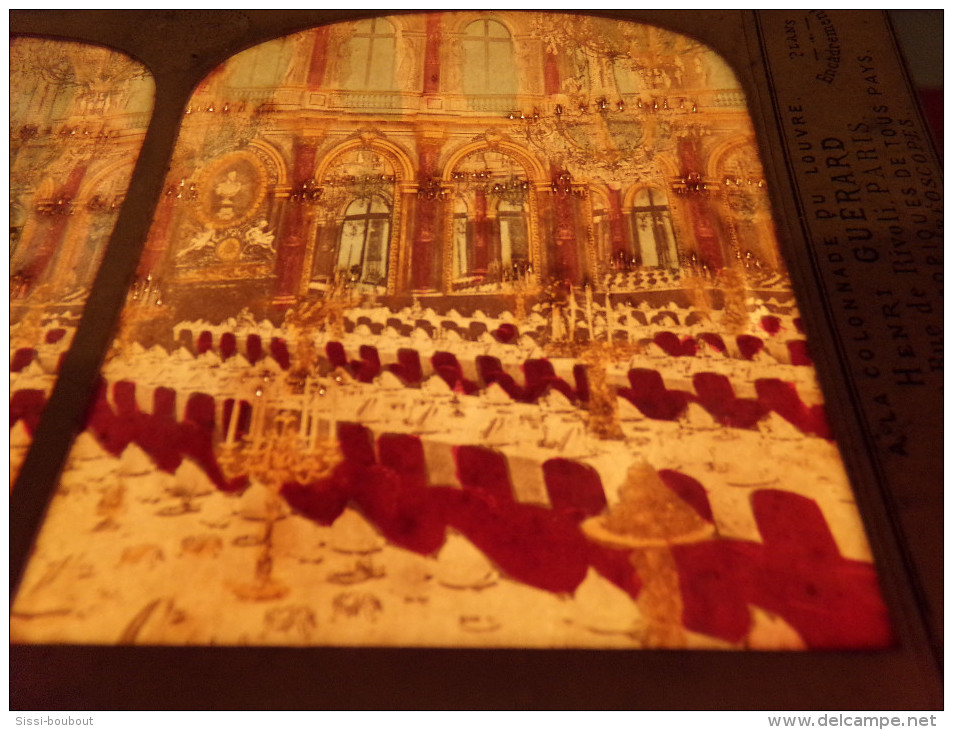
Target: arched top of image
{"points": [[78, 117], [566, 58], [54, 81]]}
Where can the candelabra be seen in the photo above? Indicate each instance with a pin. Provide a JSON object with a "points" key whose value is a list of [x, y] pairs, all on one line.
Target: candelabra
{"points": [[181, 192], [745, 196], [105, 205], [523, 283], [750, 261], [306, 192], [743, 182], [226, 107], [145, 291], [61, 206], [432, 189], [334, 190], [603, 413], [562, 185], [144, 312], [510, 188], [272, 456], [691, 184], [28, 132]]}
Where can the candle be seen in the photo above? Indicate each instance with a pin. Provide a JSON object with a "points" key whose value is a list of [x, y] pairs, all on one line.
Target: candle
{"points": [[589, 319], [233, 422], [572, 314]]}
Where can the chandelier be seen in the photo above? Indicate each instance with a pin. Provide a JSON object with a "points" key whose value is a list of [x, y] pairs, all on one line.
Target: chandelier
{"points": [[511, 188], [691, 184], [494, 174], [62, 205], [563, 186], [337, 189], [612, 114], [432, 189], [611, 140], [180, 191], [101, 204]]}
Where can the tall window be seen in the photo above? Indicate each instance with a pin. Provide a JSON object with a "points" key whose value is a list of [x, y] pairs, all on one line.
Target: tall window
{"points": [[601, 232], [372, 56], [490, 213], [365, 234], [514, 242], [652, 229], [488, 63], [264, 65], [490, 247], [462, 247]]}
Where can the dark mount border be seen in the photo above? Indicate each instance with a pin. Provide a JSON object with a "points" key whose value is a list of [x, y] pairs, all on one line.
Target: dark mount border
{"points": [[97, 677]]}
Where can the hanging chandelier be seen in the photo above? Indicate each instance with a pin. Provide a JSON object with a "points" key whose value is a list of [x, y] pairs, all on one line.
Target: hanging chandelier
{"points": [[336, 189], [563, 186], [512, 188], [493, 174], [610, 140], [595, 126], [432, 189]]}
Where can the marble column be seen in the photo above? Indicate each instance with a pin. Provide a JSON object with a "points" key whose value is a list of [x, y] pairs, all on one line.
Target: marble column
{"points": [[319, 58], [292, 238], [566, 253], [51, 234], [703, 220], [426, 238], [481, 235]]}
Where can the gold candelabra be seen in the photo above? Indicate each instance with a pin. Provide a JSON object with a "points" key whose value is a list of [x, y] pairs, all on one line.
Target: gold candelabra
{"points": [[649, 520], [734, 316], [272, 460], [523, 286], [603, 412]]}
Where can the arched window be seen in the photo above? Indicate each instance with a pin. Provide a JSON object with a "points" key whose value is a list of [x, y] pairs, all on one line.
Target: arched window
{"points": [[365, 233], [652, 229], [490, 229], [492, 243], [372, 56], [488, 63]]}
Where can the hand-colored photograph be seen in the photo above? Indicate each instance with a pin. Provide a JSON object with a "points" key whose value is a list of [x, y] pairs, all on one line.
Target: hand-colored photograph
{"points": [[459, 329]]}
